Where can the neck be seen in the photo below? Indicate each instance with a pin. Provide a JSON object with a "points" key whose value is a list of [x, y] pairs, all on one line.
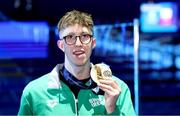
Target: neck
{"points": [[79, 71]]}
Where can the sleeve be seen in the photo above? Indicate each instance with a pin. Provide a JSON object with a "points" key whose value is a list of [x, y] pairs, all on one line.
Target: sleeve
{"points": [[25, 108], [124, 105]]}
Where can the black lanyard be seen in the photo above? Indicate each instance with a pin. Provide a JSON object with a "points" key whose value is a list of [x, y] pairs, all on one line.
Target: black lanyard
{"points": [[74, 82]]}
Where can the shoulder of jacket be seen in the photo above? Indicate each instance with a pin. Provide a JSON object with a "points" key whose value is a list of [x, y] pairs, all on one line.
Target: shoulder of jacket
{"points": [[36, 85]]}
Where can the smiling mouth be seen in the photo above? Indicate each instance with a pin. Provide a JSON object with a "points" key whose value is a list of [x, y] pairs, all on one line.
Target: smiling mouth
{"points": [[78, 52]]}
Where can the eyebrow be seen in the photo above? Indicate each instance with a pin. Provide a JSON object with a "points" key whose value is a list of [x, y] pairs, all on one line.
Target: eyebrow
{"points": [[72, 33]]}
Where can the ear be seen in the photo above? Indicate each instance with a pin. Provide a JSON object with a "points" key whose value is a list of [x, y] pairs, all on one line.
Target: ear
{"points": [[60, 44], [93, 43]]}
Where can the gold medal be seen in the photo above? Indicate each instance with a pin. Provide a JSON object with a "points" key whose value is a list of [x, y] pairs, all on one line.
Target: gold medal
{"points": [[100, 71]]}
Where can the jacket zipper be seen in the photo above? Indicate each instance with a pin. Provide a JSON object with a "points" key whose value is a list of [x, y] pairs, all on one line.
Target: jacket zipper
{"points": [[76, 105]]}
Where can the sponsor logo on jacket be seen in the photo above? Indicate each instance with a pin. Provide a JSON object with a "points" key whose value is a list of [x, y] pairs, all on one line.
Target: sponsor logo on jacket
{"points": [[96, 102], [52, 103]]}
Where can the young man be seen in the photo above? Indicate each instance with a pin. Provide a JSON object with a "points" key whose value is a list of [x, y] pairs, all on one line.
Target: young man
{"points": [[69, 88]]}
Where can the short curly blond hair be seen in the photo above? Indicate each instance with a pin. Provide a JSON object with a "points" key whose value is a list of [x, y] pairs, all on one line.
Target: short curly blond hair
{"points": [[76, 17]]}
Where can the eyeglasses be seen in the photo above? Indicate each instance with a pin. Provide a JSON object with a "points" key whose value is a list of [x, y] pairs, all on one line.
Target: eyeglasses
{"points": [[71, 39]]}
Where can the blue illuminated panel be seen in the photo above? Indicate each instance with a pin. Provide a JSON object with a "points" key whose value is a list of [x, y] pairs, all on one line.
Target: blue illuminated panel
{"points": [[24, 40], [159, 17]]}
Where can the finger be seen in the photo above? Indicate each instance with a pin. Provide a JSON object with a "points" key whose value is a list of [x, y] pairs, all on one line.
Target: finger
{"points": [[106, 80], [109, 87], [108, 91], [110, 82], [111, 92], [104, 86]]}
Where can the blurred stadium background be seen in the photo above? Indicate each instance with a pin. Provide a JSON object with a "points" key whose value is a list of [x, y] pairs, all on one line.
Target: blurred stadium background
{"points": [[28, 49]]}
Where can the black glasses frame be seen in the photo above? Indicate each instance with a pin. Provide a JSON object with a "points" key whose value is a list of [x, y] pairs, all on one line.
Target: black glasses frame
{"points": [[80, 38]]}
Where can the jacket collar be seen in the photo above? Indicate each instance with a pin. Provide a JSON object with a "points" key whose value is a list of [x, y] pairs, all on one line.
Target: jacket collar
{"points": [[53, 81]]}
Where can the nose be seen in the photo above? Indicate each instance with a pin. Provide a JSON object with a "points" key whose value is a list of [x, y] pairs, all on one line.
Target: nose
{"points": [[78, 42]]}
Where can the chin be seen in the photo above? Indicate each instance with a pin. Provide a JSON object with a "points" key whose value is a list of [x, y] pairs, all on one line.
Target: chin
{"points": [[80, 63]]}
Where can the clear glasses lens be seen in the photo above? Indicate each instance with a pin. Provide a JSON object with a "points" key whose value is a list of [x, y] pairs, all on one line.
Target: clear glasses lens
{"points": [[70, 39]]}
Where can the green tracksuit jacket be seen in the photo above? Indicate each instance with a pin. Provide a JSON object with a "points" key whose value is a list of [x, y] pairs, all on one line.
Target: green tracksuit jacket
{"points": [[48, 95]]}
